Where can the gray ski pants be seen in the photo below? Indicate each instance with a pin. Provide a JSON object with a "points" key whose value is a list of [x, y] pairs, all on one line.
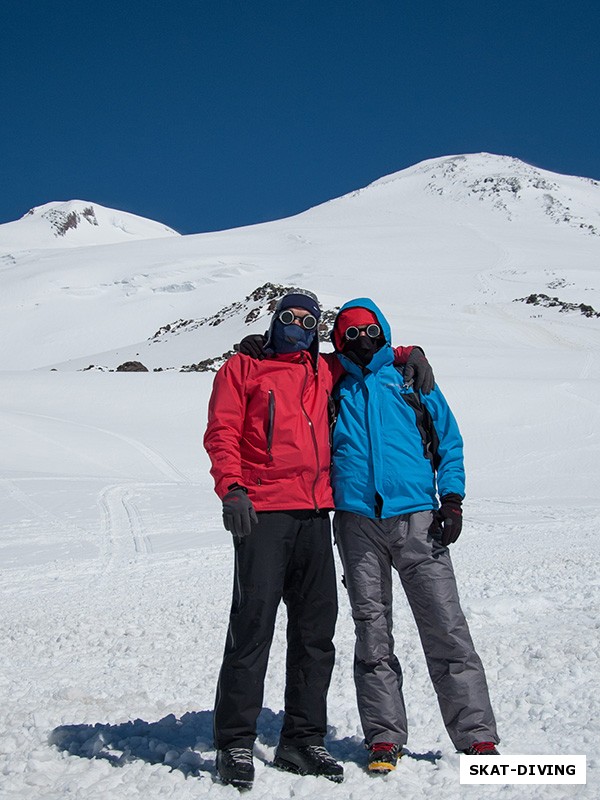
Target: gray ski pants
{"points": [[369, 548]]}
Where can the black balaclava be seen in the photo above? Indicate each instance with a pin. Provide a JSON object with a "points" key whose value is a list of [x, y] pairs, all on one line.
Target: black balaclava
{"points": [[362, 350]]}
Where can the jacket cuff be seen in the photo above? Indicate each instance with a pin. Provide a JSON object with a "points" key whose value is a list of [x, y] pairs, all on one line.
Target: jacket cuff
{"points": [[222, 487]]}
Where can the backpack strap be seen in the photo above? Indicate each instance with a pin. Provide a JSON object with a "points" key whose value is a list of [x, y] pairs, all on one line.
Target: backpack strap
{"points": [[425, 425], [426, 428]]}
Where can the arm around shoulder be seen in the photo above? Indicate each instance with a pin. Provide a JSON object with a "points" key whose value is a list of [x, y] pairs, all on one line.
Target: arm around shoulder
{"points": [[418, 372]]}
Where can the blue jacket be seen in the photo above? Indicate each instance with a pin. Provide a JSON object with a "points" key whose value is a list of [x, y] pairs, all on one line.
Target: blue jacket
{"points": [[377, 447]]}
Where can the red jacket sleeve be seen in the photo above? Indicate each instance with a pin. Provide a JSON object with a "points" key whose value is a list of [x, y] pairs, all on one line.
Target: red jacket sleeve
{"points": [[401, 354], [226, 412]]}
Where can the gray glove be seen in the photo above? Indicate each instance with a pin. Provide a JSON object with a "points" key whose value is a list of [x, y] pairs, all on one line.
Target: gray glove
{"points": [[238, 512], [418, 372]]}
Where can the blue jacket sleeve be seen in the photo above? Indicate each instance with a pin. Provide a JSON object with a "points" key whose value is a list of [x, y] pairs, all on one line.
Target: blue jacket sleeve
{"points": [[451, 469]]}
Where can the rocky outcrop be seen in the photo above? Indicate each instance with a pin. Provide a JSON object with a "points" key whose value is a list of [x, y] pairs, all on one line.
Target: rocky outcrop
{"points": [[554, 302], [132, 366]]}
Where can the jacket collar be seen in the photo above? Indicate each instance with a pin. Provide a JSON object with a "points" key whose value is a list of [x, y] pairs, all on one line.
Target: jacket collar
{"points": [[382, 357]]}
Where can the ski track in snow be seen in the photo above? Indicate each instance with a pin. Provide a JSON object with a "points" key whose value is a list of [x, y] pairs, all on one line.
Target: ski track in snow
{"points": [[123, 530]]}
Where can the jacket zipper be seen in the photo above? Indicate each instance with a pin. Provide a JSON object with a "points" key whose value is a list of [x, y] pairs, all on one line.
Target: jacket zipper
{"points": [[271, 424], [313, 435]]}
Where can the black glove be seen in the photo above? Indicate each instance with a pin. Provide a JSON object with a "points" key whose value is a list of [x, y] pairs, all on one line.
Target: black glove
{"points": [[238, 512], [447, 521], [252, 345], [418, 372]]}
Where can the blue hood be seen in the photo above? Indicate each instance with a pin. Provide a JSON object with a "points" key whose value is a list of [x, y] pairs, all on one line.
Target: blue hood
{"points": [[385, 354]]}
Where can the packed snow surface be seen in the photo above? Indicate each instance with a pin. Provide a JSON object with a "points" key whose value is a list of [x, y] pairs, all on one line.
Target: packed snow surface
{"points": [[116, 571]]}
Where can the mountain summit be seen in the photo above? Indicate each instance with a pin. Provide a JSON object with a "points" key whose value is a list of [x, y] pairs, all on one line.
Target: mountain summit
{"points": [[76, 223], [479, 188]]}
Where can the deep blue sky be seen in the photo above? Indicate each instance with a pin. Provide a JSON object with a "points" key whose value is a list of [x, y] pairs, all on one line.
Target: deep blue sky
{"points": [[211, 114]]}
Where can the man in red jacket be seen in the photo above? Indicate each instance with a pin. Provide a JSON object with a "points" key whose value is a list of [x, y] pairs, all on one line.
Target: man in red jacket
{"points": [[268, 441]]}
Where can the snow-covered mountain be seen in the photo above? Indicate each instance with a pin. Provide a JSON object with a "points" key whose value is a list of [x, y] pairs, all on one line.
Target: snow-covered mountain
{"points": [[448, 236], [510, 187], [76, 223], [116, 571]]}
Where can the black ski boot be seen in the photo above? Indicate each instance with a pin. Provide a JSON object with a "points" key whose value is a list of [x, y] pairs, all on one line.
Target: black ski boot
{"points": [[310, 759], [235, 766]]}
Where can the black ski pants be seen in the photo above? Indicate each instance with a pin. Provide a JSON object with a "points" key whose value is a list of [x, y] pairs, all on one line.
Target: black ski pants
{"points": [[288, 555]]}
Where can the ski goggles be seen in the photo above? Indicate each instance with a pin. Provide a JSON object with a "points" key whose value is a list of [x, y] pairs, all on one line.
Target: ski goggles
{"points": [[307, 321], [373, 332]]}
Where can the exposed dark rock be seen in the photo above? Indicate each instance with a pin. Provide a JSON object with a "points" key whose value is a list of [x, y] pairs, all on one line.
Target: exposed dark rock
{"points": [[208, 364], [90, 215], [132, 366], [63, 221], [554, 302]]}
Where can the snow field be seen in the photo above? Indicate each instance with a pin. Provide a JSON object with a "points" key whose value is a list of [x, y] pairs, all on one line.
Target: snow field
{"points": [[116, 579]]}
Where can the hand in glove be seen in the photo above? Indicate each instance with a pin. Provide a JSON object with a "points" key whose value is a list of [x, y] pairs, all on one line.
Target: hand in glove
{"points": [[252, 345], [418, 372], [448, 519], [238, 512]]}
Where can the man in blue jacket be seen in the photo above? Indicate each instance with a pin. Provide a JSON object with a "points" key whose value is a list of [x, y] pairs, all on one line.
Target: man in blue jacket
{"points": [[394, 453]]}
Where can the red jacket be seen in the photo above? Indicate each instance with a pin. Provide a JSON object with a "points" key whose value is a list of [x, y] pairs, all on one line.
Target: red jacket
{"points": [[268, 429]]}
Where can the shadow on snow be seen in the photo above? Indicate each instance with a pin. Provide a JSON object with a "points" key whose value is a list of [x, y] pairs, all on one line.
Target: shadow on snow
{"points": [[180, 743]]}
